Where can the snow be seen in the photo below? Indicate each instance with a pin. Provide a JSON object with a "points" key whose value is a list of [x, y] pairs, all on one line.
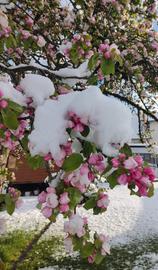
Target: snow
{"points": [[108, 119], [38, 87], [81, 71], [11, 93], [127, 217], [150, 258]]}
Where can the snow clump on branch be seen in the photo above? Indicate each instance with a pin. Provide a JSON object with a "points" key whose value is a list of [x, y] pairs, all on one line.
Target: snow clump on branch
{"points": [[108, 119]]}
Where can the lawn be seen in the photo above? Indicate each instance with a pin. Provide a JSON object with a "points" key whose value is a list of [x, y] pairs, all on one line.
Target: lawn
{"points": [[135, 256]]}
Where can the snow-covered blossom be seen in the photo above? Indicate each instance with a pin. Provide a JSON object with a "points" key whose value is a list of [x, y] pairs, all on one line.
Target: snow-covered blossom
{"points": [[90, 104], [38, 87], [11, 93]]}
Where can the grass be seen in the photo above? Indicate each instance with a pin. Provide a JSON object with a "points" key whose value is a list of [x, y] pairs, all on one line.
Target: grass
{"points": [[51, 252]]}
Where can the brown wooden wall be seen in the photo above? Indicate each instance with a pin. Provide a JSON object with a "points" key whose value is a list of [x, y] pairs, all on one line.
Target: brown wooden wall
{"points": [[24, 174]]}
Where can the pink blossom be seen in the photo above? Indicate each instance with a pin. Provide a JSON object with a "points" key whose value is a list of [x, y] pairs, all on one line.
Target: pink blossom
{"points": [[3, 104], [103, 47], [68, 244], [84, 169], [143, 191], [50, 190], [29, 21], [136, 173], [42, 197], [103, 201], [52, 200], [3, 19], [75, 225], [130, 163], [47, 211], [64, 208], [18, 203], [98, 161], [122, 157], [107, 55], [75, 122], [144, 180], [64, 198], [91, 258], [25, 34], [150, 172], [48, 157], [105, 249], [41, 41], [115, 162], [138, 159], [122, 179]]}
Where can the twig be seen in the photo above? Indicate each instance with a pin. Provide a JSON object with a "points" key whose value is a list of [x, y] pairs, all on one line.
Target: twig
{"points": [[130, 102], [30, 246]]}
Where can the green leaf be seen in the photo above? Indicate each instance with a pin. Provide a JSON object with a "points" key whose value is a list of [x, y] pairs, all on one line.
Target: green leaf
{"points": [[91, 203], [10, 204], [151, 191], [87, 250], [112, 178], [126, 150], [10, 119], [93, 61], [24, 143], [98, 258], [88, 148], [72, 162], [2, 198], [98, 243], [107, 66], [93, 80], [35, 162], [75, 196], [77, 243], [2, 133], [14, 106]]}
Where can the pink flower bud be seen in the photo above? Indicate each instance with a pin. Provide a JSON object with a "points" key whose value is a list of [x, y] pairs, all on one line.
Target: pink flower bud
{"points": [[3, 104], [115, 162], [107, 55]]}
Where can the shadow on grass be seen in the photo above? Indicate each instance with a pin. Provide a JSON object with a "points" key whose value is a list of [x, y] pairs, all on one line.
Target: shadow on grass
{"points": [[52, 253]]}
